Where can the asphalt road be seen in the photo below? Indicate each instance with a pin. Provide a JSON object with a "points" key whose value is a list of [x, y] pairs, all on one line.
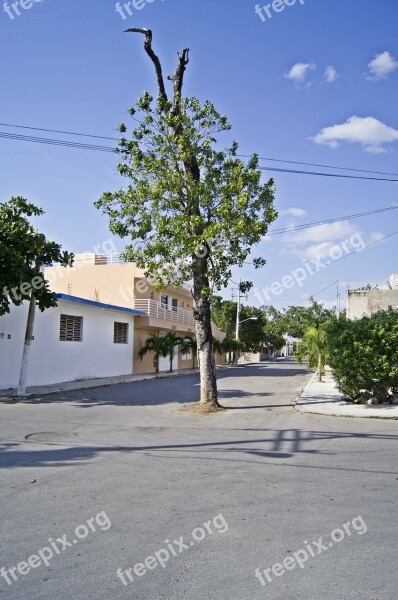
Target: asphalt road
{"points": [[188, 505]]}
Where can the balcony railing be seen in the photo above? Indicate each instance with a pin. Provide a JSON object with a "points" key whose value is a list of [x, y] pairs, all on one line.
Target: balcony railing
{"points": [[157, 310]]}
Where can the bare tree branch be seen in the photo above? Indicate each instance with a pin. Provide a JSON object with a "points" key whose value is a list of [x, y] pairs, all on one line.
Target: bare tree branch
{"points": [[178, 78], [154, 58]]}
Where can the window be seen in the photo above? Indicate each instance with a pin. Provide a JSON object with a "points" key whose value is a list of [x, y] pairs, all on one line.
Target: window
{"points": [[152, 296], [174, 304], [120, 333], [71, 328], [164, 301]]}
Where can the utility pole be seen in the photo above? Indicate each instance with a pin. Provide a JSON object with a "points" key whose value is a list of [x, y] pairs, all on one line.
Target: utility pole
{"points": [[338, 301]]}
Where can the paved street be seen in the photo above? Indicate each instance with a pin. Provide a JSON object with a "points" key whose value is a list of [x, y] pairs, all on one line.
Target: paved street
{"points": [[268, 482]]}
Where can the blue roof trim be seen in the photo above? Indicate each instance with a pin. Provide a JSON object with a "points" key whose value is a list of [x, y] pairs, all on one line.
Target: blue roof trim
{"points": [[131, 311]]}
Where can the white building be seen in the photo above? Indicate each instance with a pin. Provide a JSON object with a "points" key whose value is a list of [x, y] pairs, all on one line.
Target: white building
{"points": [[79, 339]]}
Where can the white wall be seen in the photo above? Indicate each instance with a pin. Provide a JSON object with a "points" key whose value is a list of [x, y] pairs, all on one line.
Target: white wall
{"points": [[53, 361]]}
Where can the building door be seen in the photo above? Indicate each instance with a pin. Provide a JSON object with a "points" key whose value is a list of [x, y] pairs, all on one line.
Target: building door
{"points": [[164, 363]]}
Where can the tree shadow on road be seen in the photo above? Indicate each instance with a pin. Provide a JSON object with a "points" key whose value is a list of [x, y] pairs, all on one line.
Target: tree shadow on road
{"points": [[271, 444]]}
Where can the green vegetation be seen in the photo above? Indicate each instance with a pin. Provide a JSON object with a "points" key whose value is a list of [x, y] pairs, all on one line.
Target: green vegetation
{"points": [[363, 354], [313, 349], [157, 346], [23, 251]]}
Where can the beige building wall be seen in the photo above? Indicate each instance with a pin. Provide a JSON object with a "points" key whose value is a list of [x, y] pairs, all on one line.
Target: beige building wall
{"points": [[93, 278]]}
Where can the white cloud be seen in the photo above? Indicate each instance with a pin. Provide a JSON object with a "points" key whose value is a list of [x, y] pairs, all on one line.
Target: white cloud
{"points": [[293, 212], [331, 74], [298, 73], [317, 242], [371, 133], [382, 65], [376, 236], [320, 234], [316, 251]]}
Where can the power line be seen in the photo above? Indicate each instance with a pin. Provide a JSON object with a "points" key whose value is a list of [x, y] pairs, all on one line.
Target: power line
{"points": [[296, 162], [54, 142], [108, 149], [317, 293], [326, 221], [299, 172], [65, 143], [386, 237], [101, 137]]}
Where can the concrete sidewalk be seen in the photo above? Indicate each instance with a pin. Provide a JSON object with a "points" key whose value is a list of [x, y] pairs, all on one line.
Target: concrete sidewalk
{"points": [[10, 394], [323, 398]]}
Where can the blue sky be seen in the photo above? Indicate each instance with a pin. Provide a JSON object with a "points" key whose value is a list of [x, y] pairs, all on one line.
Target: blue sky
{"points": [[67, 65]]}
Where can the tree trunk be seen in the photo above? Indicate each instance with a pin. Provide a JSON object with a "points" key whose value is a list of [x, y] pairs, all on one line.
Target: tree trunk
{"points": [[21, 391], [320, 368], [204, 337]]}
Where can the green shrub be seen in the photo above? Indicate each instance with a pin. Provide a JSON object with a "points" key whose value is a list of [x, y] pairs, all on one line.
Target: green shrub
{"points": [[363, 354]]}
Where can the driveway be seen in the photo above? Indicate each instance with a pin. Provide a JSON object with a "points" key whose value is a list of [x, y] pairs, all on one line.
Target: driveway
{"points": [[135, 498]]}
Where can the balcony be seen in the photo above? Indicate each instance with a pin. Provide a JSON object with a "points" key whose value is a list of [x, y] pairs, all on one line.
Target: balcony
{"points": [[158, 311]]}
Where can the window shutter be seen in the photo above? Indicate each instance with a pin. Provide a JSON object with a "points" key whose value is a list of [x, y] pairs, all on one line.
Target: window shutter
{"points": [[120, 333], [71, 328]]}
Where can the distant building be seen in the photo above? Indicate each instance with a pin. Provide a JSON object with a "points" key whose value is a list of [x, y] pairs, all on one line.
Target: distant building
{"points": [[105, 278], [367, 302]]}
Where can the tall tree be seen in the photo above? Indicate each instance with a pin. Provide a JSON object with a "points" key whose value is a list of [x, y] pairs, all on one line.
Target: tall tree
{"points": [[296, 320], [23, 251], [192, 210]]}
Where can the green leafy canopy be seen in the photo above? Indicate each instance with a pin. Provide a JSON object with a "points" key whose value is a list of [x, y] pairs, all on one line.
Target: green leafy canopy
{"points": [[23, 251], [171, 213]]}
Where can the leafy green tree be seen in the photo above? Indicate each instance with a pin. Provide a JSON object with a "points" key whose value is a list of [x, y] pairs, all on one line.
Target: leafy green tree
{"points": [[275, 341], [297, 319], [157, 346], [192, 210], [363, 353], [223, 313], [172, 340], [231, 347], [252, 333], [23, 251], [217, 346], [313, 349], [188, 344]]}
